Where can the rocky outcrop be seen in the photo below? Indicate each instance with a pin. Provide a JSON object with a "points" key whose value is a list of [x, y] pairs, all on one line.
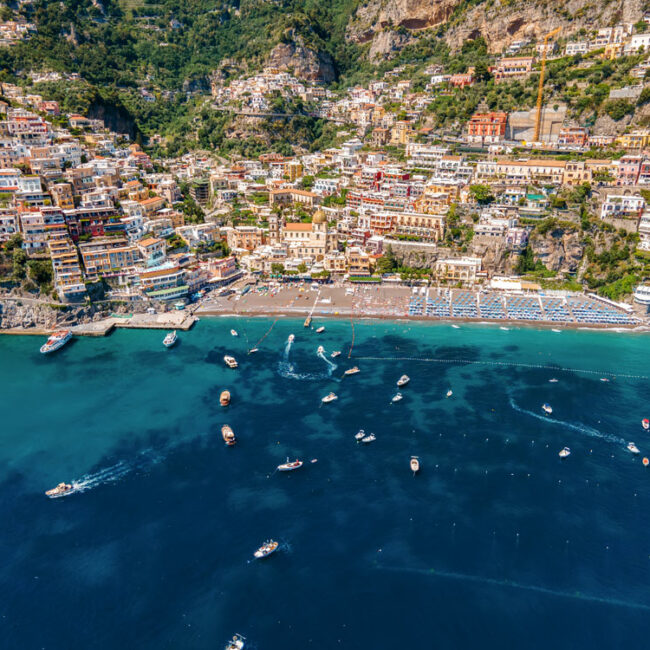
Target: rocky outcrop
{"points": [[302, 61], [559, 250], [385, 44], [493, 253], [414, 254]]}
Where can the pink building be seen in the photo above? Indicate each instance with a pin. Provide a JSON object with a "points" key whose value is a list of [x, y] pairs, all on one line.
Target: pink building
{"points": [[629, 168]]}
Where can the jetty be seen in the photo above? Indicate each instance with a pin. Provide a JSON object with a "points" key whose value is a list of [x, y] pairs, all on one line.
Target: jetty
{"points": [[175, 320]]}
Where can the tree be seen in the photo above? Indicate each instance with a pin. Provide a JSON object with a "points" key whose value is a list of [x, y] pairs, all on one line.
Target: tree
{"points": [[617, 109], [19, 260], [277, 268], [15, 241], [482, 193], [302, 268]]}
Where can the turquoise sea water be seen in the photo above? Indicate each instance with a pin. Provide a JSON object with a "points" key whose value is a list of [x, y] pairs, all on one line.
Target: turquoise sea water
{"points": [[495, 543]]}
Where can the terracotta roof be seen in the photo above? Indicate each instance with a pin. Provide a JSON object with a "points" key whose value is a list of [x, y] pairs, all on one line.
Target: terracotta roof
{"points": [[298, 227]]}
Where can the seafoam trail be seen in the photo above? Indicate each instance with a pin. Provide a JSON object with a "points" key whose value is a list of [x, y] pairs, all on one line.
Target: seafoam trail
{"points": [[287, 370], [580, 428]]}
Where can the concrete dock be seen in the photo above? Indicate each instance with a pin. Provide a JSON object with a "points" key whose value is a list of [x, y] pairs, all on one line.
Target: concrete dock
{"points": [[175, 320]]}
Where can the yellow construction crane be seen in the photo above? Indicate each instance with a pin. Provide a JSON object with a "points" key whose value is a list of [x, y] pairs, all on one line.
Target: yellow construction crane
{"points": [[540, 91]]}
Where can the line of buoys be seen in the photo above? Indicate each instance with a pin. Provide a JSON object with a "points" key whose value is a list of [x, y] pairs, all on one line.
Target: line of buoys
{"points": [[505, 364]]}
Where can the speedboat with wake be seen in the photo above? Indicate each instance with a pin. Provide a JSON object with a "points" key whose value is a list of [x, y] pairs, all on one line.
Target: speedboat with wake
{"points": [[329, 398], [547, 409], [321, 350], [564, 452], [236, 643], [290, 466], [266, 549], [403, 380], [291, 338], [231, 362], [645, 423], [60, 490], [633, 448], [360, 435], [56, 341], [228, 435], [170, 340], [415, 464], [397, 397], [352, 371]]}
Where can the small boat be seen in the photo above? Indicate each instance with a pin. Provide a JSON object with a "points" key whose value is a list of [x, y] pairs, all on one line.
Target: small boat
{"points": [[505, 329], [360, 435], [397, 397], [564, 453], [59, 490], [56, 341], [449, 393], [170, 339], [228, 435], [415, 464], [291, 338], [547, 409], [236, 643], [253, 350], [224, 398], [553, 381], [633, 448], [290, 466], [329, 398], [231, 362], [604, 379], [266, 549], [336, 353], [557, 331], [321, 350], [646, 461], [234, 333], [456, 327], [645, 423], [370, 438], [320, 330], [352, 371], [403, 380]]}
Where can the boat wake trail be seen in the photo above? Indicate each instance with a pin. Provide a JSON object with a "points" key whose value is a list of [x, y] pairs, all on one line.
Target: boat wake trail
{"points": [[287, 370], [573, 595], [580, 428], [331, 365]]}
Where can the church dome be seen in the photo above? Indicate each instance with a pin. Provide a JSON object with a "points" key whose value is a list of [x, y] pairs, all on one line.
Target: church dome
{"points": [[319, 217]]}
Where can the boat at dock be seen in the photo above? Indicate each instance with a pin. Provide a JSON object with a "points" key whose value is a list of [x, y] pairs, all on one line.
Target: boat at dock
{"points": [[329, 398], [403, 380], [266, 549], [228, 435], [307, 321], [415, 464], [633, 448], [56, 341], [60, 490], [352, 371], [233, 333], [290, 466], [564, 452], [170, 340], [231, 362], [320, 330], [547, 409], [236, 643], [397, 397], [224, 398]]}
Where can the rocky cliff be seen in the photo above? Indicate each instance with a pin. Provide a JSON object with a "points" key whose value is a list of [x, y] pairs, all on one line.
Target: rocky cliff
{"points": [[559, 250], [303, 62]]}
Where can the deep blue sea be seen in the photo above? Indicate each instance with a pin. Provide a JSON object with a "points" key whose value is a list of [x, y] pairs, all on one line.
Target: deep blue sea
{"points": [[497, 542]]}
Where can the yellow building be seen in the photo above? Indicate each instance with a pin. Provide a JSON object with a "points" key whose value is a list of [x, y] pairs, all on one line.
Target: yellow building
{"points": [[634, 140]]}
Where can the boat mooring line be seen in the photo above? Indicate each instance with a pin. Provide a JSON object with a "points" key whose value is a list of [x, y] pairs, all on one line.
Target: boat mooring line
{"points": [[351, 344], [506, 364], [269, 331], [465, 577]]}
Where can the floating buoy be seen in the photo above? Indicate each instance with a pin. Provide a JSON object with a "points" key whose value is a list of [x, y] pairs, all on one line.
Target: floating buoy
{"points": [[646, 462]]}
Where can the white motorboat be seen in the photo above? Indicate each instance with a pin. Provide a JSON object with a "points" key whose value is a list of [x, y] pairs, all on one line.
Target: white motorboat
{"points": [[329, 398], [291, 338], [170, 339], [397, 397], [450, 393], [231, 362], [633, 448], [236, 643], [320, 330], [320, 350], [266, 549], [552, 381], [352, 371], [56, 341], [645, 423], [60, 490], [234, 333], [289, 466], [370, 438], [403, 380], [360, 435], [336, 353], [415, 464], [253, 350], [547, 409], [505, 329], [456, 327], [556, 331], [604, 379], [564, 453]]}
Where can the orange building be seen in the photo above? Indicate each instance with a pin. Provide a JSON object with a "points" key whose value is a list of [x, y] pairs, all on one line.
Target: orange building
{"points": [[487, 127]]}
